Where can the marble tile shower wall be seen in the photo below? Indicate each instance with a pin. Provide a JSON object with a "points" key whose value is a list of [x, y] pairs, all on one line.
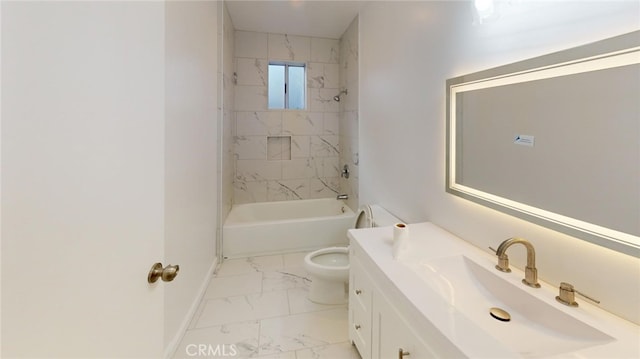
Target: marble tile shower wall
{"points": [[313, 168], [349, 118], [228, 66]]}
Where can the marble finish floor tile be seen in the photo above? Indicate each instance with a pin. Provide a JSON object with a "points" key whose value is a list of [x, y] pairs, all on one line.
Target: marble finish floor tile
{"points": [[257, 307], [243, 308], [300, 303], [231, 286], [296, 277], [333, 351], [250, 264], [285, 355], [303, 331], [294, 259], [239, 340]]}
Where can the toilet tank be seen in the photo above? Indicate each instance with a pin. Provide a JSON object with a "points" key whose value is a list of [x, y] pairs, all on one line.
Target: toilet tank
{"points": [[369, 216], [382, 217]]}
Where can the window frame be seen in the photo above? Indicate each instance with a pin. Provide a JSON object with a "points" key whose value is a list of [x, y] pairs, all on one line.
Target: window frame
{"points": [[287, 65]]}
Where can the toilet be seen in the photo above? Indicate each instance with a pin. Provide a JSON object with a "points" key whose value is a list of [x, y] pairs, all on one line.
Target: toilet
{"points": [[329, 267]]}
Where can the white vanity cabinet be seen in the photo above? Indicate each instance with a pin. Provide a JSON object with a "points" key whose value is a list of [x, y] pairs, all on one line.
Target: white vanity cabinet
{"points": [[394, 334], [376, 326], [360, 305], [434, 303]]}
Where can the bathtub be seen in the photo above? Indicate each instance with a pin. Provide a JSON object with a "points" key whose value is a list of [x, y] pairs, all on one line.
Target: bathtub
{"points": [[254, 229]]}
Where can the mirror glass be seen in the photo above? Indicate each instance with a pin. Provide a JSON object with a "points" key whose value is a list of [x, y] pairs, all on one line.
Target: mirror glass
{"points": [[554, 140]]}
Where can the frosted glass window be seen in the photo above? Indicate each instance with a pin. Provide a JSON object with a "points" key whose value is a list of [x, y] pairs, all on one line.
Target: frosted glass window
{"points": [[287, 84], [296, 87], [276, 86]]}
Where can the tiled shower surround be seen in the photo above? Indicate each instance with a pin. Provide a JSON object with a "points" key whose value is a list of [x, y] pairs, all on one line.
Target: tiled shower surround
{"points": [[228, 123], [349, 117], [286, 154]]}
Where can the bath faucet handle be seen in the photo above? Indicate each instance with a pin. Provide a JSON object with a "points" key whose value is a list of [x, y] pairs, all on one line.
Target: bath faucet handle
{"points": [[345, 171], [503, 262], [567, 295]]}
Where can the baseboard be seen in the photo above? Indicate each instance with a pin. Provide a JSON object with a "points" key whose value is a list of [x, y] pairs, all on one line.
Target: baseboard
{"points": [[172, 346]]}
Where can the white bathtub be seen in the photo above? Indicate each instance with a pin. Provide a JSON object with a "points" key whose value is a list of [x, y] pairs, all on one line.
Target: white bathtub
{"points": [[288, 226]]}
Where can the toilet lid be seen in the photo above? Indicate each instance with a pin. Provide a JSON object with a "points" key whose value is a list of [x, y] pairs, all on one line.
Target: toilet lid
{"points": [[364, 219]]}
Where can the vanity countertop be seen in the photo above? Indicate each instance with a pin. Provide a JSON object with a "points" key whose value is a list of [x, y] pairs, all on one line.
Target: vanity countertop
{"points": [[471, 337]]}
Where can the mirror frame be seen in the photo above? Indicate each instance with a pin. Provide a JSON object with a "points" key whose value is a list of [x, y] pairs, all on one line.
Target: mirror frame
{"points": [[623, 49]]}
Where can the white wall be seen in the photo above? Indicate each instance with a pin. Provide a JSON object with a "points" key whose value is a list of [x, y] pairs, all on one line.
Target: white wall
{"points": [[407, 51], [191, 156]]}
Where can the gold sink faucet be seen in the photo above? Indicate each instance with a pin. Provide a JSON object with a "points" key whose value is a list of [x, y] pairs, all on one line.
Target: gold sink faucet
{"points": [[530, 271]]}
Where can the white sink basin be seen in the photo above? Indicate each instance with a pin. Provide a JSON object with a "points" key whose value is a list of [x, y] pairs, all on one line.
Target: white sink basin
{"points": [[536, 329]]}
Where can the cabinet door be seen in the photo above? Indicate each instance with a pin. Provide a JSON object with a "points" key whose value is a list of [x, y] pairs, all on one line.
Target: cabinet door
{"points": [[360, 296], [360, 286], [392, 334]]}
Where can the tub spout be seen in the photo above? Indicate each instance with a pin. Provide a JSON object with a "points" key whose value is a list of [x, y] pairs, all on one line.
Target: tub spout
{"points": [[343, 196]]}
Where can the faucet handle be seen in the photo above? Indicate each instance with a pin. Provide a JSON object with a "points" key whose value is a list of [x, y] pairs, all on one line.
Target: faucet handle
{"points": [[567, 295], [503, 262]]}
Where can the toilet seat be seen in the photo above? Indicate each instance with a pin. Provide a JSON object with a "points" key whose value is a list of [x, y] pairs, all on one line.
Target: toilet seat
{"points": [[364, 219], [328, 273], [334, 257]]}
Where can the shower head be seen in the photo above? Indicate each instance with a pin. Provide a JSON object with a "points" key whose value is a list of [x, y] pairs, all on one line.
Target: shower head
{"points": [[336, 98]]}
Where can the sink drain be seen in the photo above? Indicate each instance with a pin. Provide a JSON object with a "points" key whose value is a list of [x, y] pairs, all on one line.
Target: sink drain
{"points": [[500, 314]]}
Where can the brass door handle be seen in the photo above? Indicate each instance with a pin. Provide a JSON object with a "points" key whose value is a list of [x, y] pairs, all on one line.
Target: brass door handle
{"points": [[167, 273], [402, 353]]}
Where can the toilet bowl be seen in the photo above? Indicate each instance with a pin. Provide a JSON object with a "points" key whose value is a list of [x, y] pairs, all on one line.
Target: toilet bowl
{"points": [[329, 267]]}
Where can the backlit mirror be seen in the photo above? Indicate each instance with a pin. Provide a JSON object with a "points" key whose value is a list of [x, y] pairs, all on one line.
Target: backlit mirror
{"points": [[554, 140]]}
